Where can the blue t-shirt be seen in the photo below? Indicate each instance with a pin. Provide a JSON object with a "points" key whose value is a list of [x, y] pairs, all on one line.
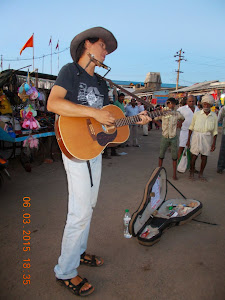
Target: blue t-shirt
{"points": [[81, 87]]}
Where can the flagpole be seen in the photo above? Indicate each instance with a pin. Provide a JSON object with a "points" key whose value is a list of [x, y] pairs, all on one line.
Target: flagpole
{"points": [[58, 56], [51, 55], [33, 51], [43, 63], [1, 63]]}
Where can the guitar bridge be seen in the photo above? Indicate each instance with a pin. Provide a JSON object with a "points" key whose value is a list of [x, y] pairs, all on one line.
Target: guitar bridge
{"points": [[91, 129]]}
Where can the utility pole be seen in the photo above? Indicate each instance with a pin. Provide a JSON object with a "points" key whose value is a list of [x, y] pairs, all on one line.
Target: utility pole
{"points": [[180, 58], [2, 62]]}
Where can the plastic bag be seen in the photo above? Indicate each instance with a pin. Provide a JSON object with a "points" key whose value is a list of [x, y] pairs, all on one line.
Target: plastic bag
{"points": [[184, 162]]}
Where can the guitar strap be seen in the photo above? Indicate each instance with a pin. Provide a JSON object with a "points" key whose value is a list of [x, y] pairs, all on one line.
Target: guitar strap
{"points": [[89, 169], [126, 91]]}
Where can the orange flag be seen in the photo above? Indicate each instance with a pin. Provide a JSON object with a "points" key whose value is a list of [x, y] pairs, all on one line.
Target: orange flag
{"points": [[29, 43]]}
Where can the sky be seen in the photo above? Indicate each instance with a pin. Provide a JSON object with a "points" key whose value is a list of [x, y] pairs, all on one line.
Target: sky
{"points": [[149, 33]]}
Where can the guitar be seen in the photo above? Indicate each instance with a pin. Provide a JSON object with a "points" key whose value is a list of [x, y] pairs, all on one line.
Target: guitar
{"points": [[85, 138]]}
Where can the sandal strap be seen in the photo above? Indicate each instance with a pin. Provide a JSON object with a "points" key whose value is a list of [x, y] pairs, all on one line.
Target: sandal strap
{"points": [[75, 288], [83, 255], [80, 285], [91, 261]]}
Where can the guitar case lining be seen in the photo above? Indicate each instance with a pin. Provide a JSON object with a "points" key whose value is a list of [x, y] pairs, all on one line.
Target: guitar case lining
{"points": [[155, 214]]}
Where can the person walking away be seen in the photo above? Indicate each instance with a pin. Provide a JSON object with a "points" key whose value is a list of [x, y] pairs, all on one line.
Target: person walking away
{"points": [[169, 135], [221, 159], [187, 111], [79, 92], [142, 108], [204, 126], [131, 110]]}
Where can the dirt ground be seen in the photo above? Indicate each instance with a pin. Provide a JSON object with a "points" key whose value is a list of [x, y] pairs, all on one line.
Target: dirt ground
{"points": [[188, 263]]}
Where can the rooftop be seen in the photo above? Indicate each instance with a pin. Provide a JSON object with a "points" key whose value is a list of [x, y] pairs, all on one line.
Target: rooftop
{"points": [[123, 82]]}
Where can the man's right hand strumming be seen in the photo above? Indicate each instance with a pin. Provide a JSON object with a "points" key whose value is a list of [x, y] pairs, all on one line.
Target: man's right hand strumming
{"points": [[104, 117]]}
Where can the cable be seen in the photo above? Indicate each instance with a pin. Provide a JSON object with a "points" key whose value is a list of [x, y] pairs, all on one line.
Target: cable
{"points": [[39, 57]]}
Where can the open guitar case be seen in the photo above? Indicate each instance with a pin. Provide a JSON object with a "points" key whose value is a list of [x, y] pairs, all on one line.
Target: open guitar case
{"points": [[156, 214]]}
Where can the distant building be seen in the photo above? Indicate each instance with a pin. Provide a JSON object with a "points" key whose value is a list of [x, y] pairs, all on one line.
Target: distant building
{"points": [[151, 88], [153, 81]]}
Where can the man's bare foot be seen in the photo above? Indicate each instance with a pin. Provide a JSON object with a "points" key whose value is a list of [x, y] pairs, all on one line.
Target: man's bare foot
{"points": [[191, 176], [202, 178]]}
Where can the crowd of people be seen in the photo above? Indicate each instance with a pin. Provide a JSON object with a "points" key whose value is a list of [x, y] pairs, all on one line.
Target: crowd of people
{"points": [[198, 131]]}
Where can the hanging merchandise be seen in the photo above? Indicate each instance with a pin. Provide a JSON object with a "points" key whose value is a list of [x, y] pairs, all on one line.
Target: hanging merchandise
{"points": [[27, 90], [5, 107], [31, 142], [28, 114]]}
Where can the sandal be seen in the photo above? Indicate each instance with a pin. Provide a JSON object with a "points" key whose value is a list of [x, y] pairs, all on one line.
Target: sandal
{"points": [[91, 261], [76, 289]]}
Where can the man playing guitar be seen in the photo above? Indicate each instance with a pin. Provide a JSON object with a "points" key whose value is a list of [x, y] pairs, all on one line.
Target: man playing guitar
{"points": [[78, 92]]}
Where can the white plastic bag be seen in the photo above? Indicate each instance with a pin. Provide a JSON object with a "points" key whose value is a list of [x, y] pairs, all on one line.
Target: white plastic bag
{"points": [[182, 165]]}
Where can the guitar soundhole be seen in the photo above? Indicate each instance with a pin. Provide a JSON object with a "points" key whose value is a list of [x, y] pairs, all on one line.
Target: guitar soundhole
{"points": [[103, 138]]}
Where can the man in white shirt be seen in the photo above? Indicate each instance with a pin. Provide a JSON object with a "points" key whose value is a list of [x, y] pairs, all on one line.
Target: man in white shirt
{"points": [[204, 126], [187, 111]]}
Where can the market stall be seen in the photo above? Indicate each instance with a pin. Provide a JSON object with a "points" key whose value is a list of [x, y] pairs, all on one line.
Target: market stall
{"points": [[25, 124]]}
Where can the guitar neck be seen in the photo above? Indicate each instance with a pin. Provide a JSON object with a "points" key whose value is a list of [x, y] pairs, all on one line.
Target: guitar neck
{"points": [[134, 119]]}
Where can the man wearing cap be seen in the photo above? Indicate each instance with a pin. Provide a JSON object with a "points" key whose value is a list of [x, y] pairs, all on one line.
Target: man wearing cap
{"points": [[78, 92], [204, 126]]}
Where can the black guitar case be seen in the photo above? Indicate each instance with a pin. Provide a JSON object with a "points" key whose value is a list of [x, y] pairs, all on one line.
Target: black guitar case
{"points": [[155, 213]]}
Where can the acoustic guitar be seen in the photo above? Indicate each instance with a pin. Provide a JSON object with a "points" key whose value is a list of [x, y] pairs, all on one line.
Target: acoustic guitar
{"points": [[85, 138]]}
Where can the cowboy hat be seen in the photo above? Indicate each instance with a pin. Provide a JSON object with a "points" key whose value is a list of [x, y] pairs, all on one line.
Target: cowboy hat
{"points": [[95, 32]]}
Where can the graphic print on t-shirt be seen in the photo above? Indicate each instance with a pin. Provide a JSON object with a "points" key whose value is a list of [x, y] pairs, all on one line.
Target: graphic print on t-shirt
{"points": [[90, 95]]}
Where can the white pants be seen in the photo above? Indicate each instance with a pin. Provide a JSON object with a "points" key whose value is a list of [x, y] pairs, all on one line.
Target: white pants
{"points": [[82, 199], [183, 138], [201, 143]]}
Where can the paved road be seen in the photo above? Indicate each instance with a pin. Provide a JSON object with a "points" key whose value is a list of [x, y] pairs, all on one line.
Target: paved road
{"points": [[188, 263]]}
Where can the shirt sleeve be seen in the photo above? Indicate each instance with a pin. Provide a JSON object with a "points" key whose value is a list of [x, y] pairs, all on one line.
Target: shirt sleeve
{"points": [[180, 116], [192, 122], [64, 78], [141, 108], [215, 131]]}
